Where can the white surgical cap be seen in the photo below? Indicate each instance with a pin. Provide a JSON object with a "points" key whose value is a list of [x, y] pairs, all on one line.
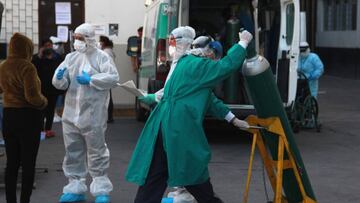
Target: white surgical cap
{"points": [[184, 37]]}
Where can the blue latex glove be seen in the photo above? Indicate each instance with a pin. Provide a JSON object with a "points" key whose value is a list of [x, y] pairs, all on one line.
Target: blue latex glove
{"points": [[149, 99], [83, 79], [60, 73]]}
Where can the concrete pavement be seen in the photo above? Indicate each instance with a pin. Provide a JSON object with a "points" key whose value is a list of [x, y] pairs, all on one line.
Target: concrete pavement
{"points": [[331, 157]]}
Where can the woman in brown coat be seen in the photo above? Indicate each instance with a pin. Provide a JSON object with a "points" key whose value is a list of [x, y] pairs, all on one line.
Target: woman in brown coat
{"points": [[22, 122]]}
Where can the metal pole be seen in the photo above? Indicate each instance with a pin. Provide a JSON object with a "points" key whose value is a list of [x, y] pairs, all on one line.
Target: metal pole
{"points": [[255, 6]]}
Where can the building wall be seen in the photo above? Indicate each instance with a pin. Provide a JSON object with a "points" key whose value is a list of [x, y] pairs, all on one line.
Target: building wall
{"points": [[336, 39], [129, 14], [20, 16], [340, 62], [339, 50]]}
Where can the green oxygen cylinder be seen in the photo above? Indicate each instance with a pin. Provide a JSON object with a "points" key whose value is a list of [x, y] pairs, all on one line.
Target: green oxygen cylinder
{"points": [[231, 84], [266, 99]]}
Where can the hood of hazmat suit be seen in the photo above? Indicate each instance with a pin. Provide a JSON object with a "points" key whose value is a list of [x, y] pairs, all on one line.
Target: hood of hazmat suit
{"points": [[184, 37], [88, 32]]}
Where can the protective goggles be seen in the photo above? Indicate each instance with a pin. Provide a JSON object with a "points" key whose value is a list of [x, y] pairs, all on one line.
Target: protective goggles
{"points": [[303, 49], [172, 40]]}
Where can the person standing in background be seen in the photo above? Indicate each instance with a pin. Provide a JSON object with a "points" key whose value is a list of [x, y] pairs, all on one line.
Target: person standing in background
{"points": [[107, 46], [172, 153], [88, 74], [58, 46], [136, 60], [46, 62], [22, 121]]}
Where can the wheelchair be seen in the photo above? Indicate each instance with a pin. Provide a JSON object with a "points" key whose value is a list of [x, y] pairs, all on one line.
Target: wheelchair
{"points": [[305, 110]]}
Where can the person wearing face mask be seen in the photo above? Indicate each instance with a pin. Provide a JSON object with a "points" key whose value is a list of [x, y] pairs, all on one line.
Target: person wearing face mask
{"points": [[58, 45], [107, 45], [206, 47], [46, 62], [172, 149], [203, 46], [184, 36], [311, 66], [88, 74]]}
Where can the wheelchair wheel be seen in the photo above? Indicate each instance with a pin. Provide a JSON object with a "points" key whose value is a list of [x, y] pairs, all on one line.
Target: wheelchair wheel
{"points": [[310, 114], [294, 115]]}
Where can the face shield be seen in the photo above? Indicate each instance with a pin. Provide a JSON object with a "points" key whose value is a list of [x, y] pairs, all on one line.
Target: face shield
{"points": [[205, 46], [200, 47], [201, 42]]}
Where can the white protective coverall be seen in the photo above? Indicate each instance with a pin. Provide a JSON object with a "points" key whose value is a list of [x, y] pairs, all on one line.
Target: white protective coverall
{"points": [[85, 115]]}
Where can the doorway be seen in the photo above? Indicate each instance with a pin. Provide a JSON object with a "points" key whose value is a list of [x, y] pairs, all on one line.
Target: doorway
{"points": [[47, 18]]}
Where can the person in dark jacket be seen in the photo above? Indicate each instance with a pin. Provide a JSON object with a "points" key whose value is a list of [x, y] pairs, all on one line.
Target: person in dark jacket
{"points": [[136, 60], [107, 46], [46, 62], [22, 119]]}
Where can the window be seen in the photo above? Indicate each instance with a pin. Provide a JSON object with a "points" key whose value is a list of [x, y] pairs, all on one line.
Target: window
{"points": [[340, 15], [290, 11], [148, 49]]}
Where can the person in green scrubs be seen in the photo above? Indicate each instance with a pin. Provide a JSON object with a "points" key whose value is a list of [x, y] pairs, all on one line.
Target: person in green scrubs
{"points": [[172, 149], [206, 47]]}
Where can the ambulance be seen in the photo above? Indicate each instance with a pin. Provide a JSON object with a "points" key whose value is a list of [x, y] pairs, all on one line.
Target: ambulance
{"points": [[275, 25]]}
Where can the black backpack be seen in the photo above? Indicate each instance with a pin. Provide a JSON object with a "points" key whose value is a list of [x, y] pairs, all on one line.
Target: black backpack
{"points": [[133, 46]]}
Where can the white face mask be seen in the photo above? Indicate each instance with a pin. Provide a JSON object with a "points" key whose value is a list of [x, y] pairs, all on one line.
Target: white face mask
{"points": [[172, 51], [56, 46], [98, 45], [80, 46]]}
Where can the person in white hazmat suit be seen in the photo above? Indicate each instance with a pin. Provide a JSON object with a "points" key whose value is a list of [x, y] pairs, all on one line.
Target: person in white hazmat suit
{"points": [[87, 74]]}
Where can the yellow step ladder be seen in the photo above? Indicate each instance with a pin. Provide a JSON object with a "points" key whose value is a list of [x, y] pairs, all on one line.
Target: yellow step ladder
{"points": [[273, 168]]}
